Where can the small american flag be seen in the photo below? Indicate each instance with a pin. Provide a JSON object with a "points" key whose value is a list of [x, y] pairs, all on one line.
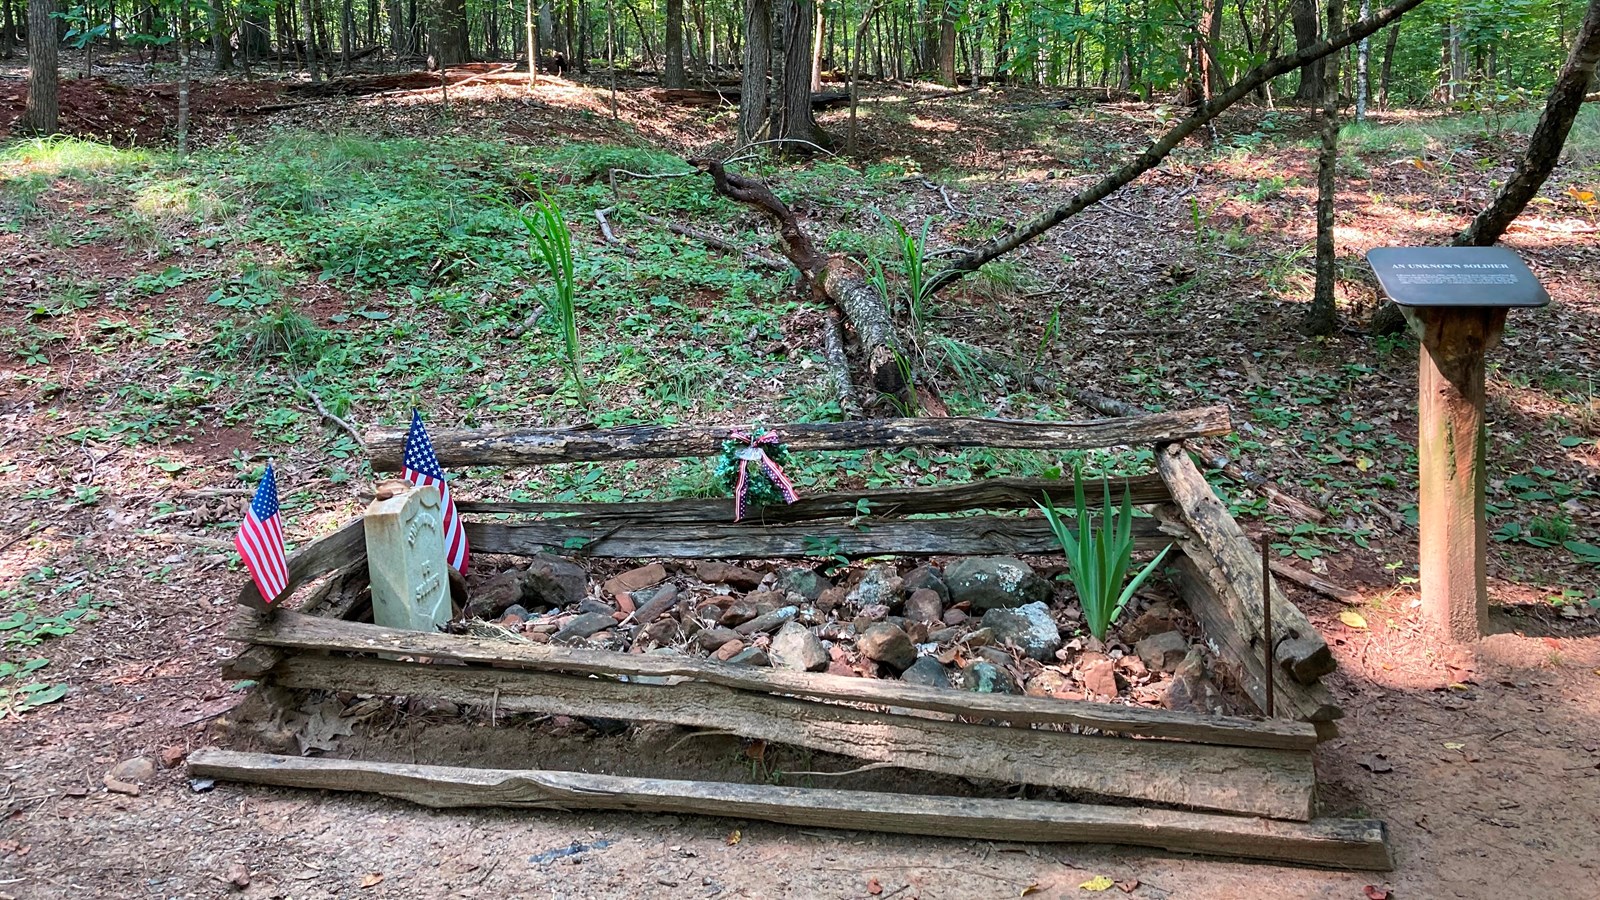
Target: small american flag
{"points": [[260, 540], [421, 466]]}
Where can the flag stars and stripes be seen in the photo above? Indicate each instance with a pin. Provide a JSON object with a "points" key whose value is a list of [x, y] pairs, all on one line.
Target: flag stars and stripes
{"points": [[260, 540], [420, 466]]}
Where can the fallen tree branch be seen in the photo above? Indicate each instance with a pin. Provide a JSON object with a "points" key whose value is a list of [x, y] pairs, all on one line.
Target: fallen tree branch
{"points": [[1158, 151], [1320, 585], [835, 279], [716, 243], [328, 415]]}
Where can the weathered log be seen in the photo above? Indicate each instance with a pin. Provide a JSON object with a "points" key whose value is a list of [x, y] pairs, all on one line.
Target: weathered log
{"points": [[1277, 784], [835, 279], [1340, 843], [750, 539], [342, 547], [1202, 587], [339, 597], [533, 446], [991, 493], [730, 96], [839, 364], [1300, 648], [315, 633]]}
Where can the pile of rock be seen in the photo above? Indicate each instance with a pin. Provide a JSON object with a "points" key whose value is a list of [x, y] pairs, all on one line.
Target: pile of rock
{"points": [[987, 624]]}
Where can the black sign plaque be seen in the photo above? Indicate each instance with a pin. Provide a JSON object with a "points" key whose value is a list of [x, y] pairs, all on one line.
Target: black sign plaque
{"points": [[1456, 276]]}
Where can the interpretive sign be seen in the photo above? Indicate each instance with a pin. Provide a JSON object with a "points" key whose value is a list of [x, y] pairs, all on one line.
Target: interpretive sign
{"points": [[1455, 299], [1456, 276]]}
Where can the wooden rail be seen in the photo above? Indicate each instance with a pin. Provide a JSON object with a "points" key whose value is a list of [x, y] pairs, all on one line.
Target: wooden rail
{"points": [[1278, 784], [1340, 843], [750, 539], [292, 630], [514, 447]]}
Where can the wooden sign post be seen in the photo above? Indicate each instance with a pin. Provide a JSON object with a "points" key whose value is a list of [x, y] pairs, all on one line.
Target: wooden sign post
{"points": [[1455, 299]]}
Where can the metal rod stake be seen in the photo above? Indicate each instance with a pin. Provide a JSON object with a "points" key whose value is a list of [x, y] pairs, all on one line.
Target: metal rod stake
{"points": [[1266, 618]]}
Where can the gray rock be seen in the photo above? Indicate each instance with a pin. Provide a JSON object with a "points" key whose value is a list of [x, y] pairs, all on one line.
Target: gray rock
{"points": [[795, 647], [751, 656], [985, 678], [554, 581], [713, 638], [591, 605], [1028, 628], [880, 586], [137, 770], [1162, 652], [993, 654], [924, 605], [769, 621], [490, 600], [805, 582], [715, 572], [767, 601], [995, 582], [925, 578], [889, 645], [738, 613], [583, 626], [927, 671], [830, 599], [1190, 690]]}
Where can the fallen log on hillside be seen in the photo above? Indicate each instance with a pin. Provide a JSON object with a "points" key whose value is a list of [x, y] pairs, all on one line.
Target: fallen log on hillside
{"points": [[730, 95], [833, 278]]}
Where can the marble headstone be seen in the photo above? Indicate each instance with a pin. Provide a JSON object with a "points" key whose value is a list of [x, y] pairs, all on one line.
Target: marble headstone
{"points": [[405, 557]]}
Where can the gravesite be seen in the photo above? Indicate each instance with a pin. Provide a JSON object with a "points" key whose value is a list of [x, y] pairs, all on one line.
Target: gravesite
{"points": [[782, 448]]}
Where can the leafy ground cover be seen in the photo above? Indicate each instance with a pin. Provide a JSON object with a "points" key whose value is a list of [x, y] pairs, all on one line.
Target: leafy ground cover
{"points": [[167, 322]]}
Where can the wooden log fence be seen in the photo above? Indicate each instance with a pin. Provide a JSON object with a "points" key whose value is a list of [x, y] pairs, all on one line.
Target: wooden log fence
{"points": [[1340, 843]]}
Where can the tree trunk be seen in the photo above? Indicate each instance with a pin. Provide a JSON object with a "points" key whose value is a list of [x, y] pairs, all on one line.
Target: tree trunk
{"points": [[1363, 52], [221, 49], [447, 34], [1322, 317], [673, 76], [42, 115], [1307, 24], [1535, 166], [533, 44], [1549, 136], [754, 97], [347, 27], [814, 84], [1202, 78], [1388, 66], [794, 119], [183, 80], [8, 30], [947, 44], [308, 30]]}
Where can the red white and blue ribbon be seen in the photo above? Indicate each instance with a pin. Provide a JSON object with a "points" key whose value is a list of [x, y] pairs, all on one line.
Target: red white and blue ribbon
{"points": [[757, 454]]}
